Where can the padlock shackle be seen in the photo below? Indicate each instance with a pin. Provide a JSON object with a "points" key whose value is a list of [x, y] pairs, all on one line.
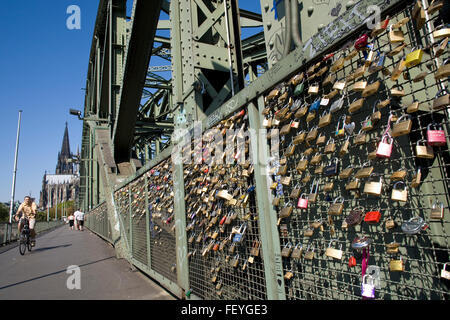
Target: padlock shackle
{"points": [[339, 198], [438, 94], [403, 116], [399, 182]]}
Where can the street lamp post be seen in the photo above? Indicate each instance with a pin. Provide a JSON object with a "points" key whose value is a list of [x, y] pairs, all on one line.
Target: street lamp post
{"points": [[11, 205]]}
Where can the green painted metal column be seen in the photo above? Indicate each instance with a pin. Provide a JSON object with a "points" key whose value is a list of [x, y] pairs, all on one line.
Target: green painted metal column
{"points": [[130, 213], [147, 224], [270, 241]]}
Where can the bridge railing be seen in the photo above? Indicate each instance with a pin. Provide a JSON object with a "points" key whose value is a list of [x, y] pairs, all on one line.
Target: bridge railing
{"points": [[9, 233]]}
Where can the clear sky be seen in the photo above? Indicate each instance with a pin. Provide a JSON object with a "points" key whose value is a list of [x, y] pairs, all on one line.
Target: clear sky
{"points": [[43, 69]]}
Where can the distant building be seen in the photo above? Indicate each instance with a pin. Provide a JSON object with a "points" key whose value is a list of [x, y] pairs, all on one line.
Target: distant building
{"points": [[64, 184]]}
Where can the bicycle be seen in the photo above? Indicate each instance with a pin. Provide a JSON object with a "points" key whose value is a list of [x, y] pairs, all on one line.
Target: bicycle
{"points": [[24, 238]]}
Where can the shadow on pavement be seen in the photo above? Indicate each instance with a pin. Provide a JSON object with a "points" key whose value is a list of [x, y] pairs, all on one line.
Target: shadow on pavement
{"points": [[50, 248], [52, 274]]}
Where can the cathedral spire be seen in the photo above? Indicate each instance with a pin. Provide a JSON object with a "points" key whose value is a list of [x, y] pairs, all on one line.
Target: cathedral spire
{"points": [[63, 166], [65, 149]]}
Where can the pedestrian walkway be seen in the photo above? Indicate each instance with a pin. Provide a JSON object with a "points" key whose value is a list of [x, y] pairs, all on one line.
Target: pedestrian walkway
{"points": [[42, 273]]}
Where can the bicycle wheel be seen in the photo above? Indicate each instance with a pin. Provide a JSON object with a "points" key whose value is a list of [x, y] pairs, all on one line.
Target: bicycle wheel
{"points": [[22, 246]]}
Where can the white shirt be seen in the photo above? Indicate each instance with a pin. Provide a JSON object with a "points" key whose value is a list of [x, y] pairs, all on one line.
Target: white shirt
{"points": [[79, 215]]}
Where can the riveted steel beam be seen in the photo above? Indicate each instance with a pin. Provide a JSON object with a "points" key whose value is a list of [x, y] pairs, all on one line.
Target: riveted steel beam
{"points": [[140, 44]]}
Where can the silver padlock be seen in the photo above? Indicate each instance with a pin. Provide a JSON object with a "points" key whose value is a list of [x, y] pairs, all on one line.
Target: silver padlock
{"points": [[444, 273], [368, 289]]}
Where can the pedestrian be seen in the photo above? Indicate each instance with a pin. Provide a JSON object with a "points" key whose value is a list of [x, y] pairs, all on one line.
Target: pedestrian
{"points": [[71, 221], [79, 216]]}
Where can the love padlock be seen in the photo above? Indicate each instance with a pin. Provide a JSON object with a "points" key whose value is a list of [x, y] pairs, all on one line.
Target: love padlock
{"points": [[435, 135], [362, 42], [384, 149], [352, 262], [368, 289], [303, 201], [240, 233]]}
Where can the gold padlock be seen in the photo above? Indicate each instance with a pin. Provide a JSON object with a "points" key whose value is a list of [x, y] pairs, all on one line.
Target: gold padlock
{"points": [[417, 178], [328, 186], [399, 195], [353, 185], [424, 151], [396, 265], [336, 207], [398, 70], [441, 32], [392, 248], [288, 275], [397, 92], [372, 187], [402, 127], [444, 71], [346, 172], [398, 175], [334, 253], [437, 210], [314, 89], [365, 171], [309, 255], [287, 250], [360, 86], [396, 36]]}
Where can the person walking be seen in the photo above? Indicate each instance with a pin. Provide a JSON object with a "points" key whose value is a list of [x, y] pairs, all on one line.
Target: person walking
{"points": [[79, 216], [71, 221]]}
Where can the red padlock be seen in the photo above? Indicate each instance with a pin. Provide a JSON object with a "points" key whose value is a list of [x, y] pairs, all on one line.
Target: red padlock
{"points": [[362, 42], [372, 217], [328, 56], [222, 221], [352, 262], [303, 202], [435, 135], [384, 149]]}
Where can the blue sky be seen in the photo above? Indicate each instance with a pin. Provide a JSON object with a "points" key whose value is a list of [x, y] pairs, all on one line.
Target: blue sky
{"points": [[43, 68]]}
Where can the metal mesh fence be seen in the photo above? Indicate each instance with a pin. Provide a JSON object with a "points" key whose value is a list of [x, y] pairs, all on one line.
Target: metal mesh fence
{"points": [[404, 265], [138, 221], [97, 221], [223, 235], [162, 223]]}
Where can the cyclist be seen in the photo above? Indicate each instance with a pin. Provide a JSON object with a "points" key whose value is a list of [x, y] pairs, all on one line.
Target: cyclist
{"points": [[28, 210]]}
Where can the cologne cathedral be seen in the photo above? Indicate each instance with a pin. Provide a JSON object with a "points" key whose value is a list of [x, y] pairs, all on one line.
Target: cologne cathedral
{"points": [[64, 184]]}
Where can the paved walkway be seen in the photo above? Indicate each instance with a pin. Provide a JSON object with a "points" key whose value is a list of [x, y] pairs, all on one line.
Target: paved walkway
{"points": [[42, 273]]}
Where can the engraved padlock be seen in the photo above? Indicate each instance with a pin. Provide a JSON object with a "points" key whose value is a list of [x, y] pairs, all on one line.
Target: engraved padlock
{"points": [[435, 135]]}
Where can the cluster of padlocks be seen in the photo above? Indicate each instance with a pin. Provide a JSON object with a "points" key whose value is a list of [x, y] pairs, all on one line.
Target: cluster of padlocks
{"points": [[355, 135]]}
